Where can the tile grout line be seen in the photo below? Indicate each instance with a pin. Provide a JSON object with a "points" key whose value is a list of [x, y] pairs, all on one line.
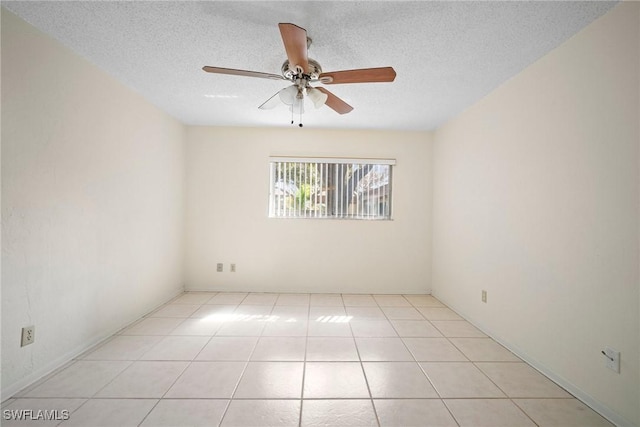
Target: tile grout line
{"points": [[449, 339], [523, 411], [375, 410], [188, 365], [246, 365], [181, 373], [444, 403], [304, 362], [420, 366], [474, 364]]}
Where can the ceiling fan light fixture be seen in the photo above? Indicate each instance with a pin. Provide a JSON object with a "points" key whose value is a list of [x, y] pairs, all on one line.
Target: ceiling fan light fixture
{"points": [[288, 94], [317, 97]]}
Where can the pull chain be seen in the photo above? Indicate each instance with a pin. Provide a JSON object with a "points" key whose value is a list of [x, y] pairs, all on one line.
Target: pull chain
{"points": [[301, 107]]}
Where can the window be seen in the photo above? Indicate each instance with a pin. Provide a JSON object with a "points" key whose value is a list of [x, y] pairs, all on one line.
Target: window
{"points": [[330, 188]]}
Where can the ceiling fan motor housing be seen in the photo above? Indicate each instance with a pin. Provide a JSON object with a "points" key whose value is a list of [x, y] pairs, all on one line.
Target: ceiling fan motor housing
{"points": [[291, 74]]}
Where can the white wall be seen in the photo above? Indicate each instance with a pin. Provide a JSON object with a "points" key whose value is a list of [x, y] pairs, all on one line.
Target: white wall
{"points": [[536, 200], [227, 207], [92, 209]]}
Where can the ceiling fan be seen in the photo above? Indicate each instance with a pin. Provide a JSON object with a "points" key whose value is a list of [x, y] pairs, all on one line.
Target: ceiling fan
{"points": [[301, 70]]}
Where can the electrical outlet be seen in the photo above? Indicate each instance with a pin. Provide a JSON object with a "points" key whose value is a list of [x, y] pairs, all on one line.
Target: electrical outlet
{"points": [[220, 267], [28, 335], [232, 267], [612, 359], [484, 296]]}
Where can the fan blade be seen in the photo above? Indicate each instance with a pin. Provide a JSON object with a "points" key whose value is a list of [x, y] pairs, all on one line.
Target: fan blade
{"points": [[335, 103], [295, 43], [364, 75], [231, 71], [270, 103]]}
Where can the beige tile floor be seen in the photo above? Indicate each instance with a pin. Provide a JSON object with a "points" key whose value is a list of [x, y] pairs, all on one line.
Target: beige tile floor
{"points": [[251, 359]]}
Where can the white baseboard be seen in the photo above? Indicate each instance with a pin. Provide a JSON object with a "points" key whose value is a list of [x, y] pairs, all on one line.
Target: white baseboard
{"points": [[579, 394], [305, 291], [59, 362]]}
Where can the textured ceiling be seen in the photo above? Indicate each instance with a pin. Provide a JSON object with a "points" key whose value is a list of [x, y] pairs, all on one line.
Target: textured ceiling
{"points": [[447, 55]]}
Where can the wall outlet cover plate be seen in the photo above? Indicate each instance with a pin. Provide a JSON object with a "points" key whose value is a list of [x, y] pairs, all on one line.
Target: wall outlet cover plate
{"points": [[28, 335]]}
